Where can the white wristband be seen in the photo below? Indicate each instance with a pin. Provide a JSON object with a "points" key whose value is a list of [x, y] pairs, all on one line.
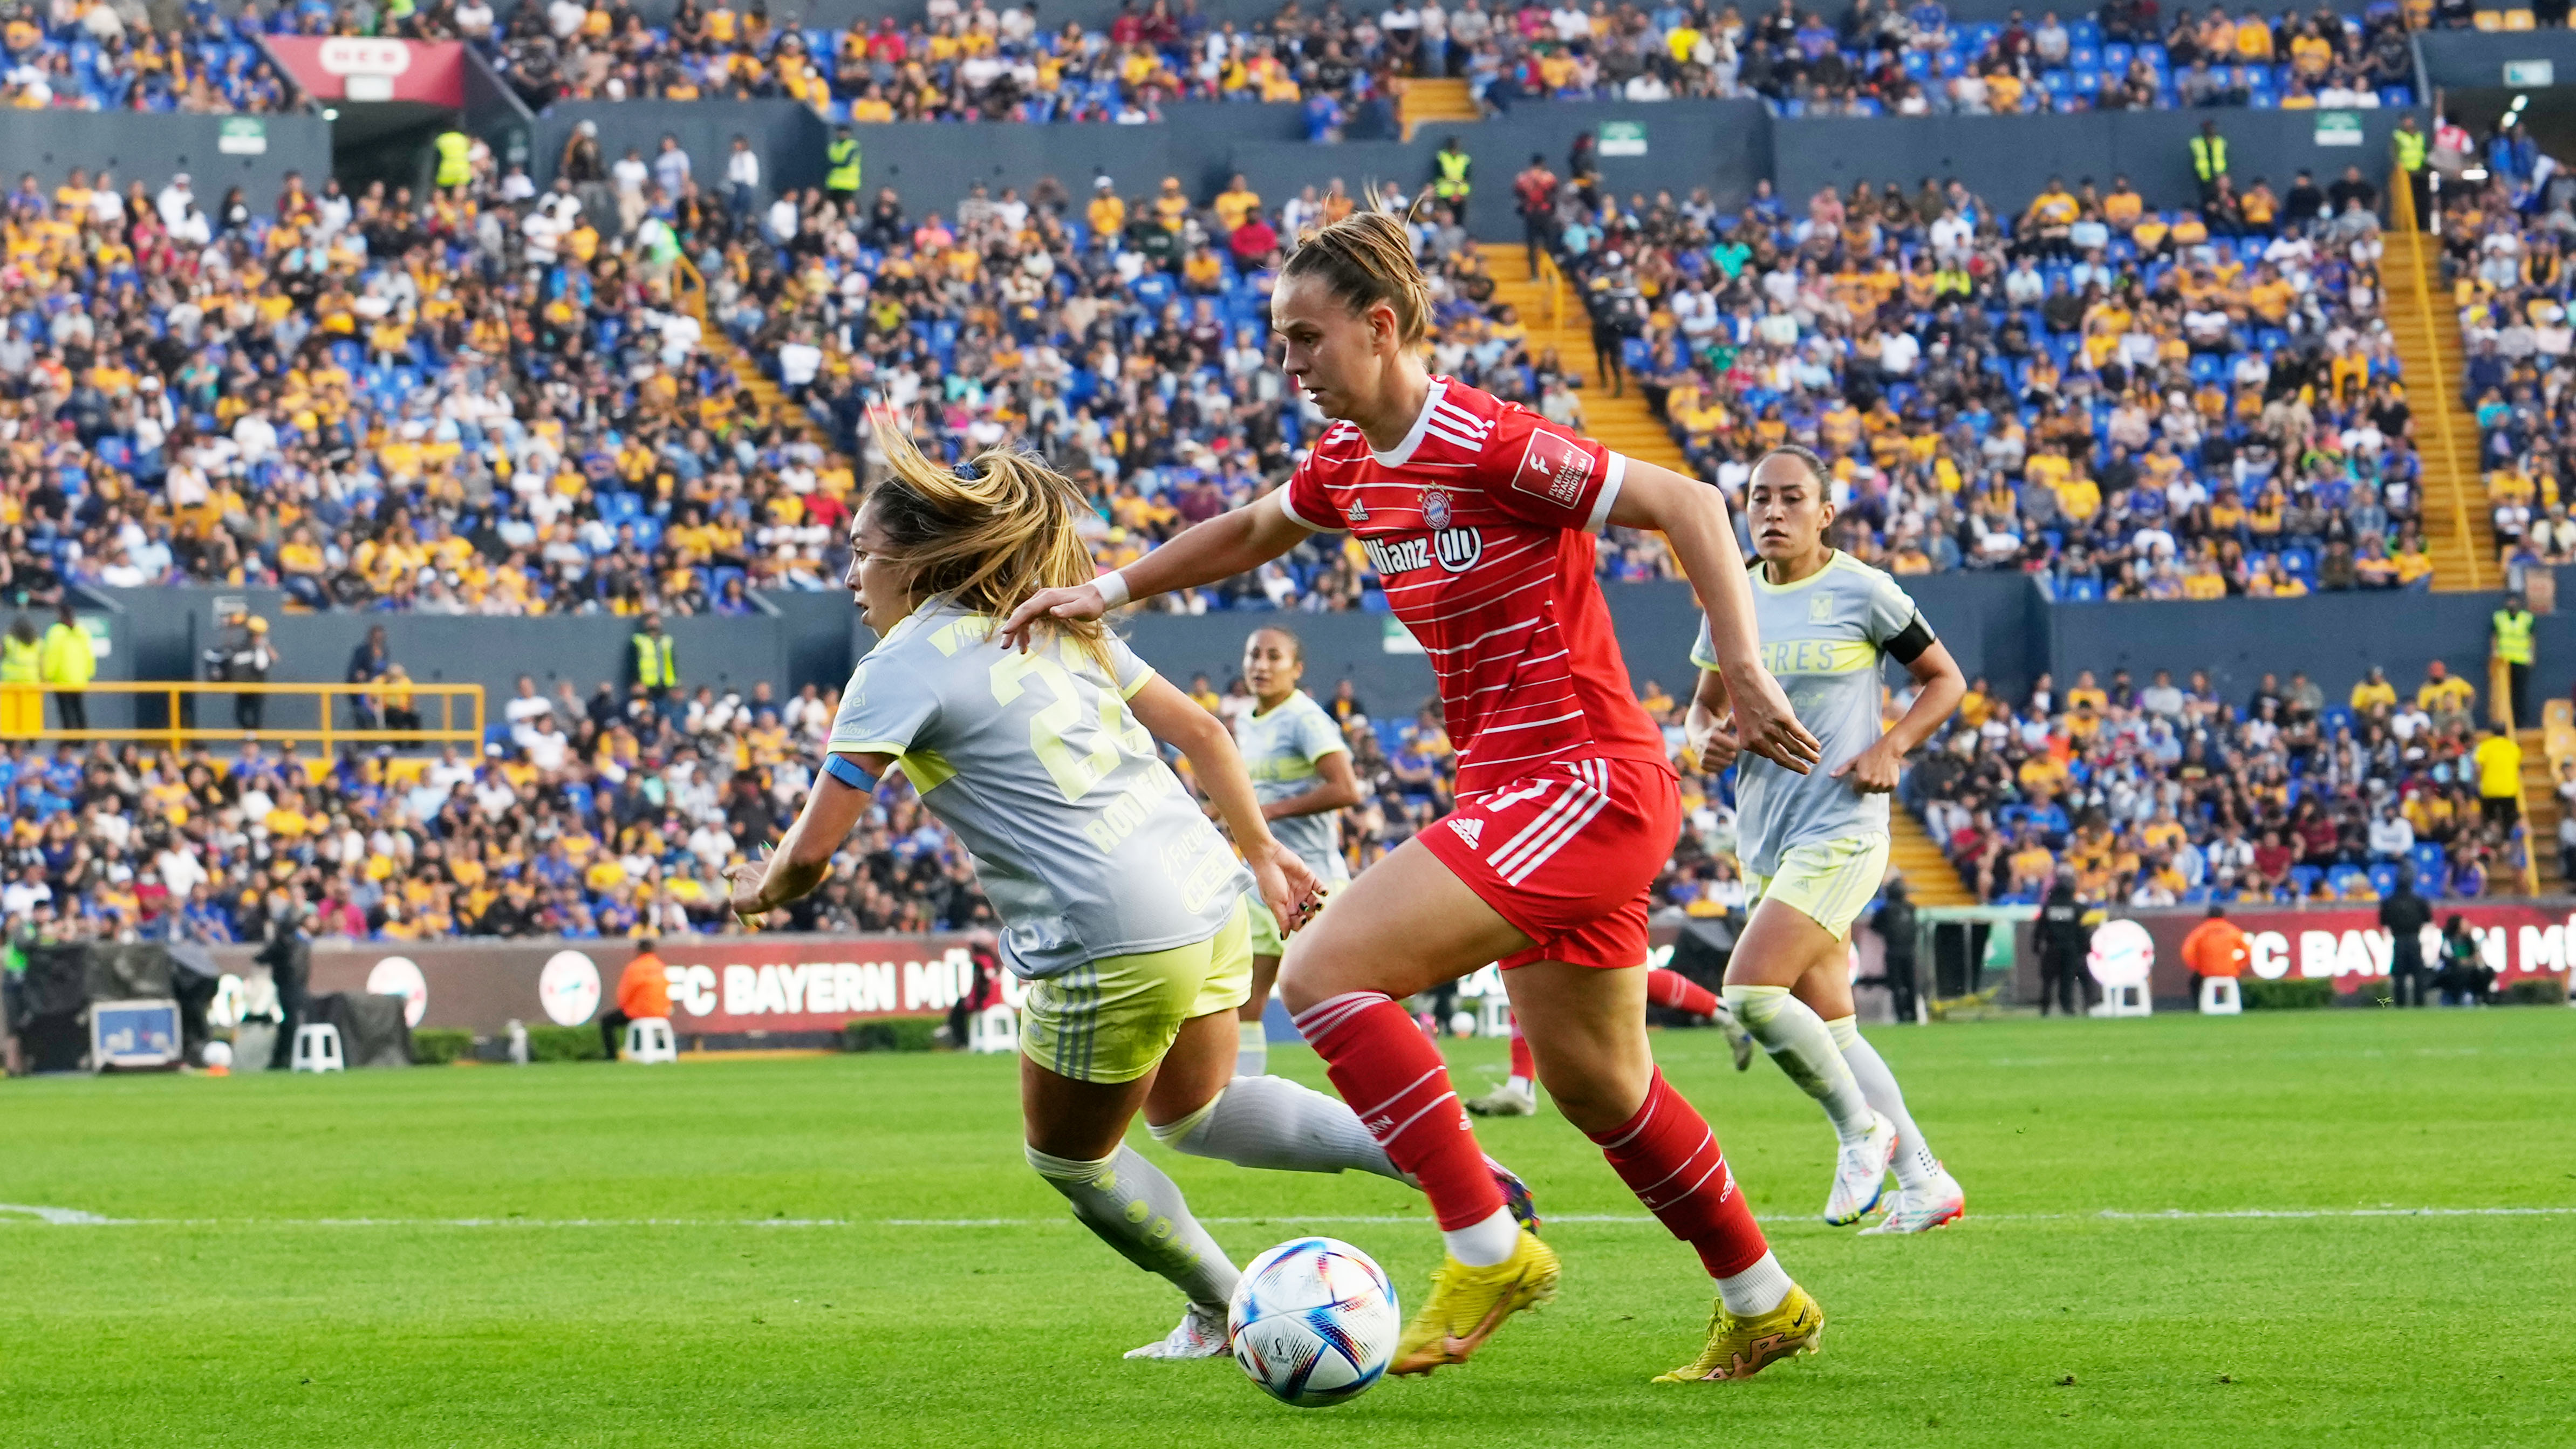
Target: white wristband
{"points": [[1113, 589]]}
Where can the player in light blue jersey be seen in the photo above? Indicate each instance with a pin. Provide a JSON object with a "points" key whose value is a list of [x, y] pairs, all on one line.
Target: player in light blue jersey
{"points": [[1302, 772], [1815, 846], [1121, 906]]}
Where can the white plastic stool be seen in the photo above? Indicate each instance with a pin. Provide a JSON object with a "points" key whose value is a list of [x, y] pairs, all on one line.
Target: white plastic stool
{"points": [[648, 1040], [1494, 1015], [2126, 1001], [317, 1049], [994, 1029], [2219, 997]]}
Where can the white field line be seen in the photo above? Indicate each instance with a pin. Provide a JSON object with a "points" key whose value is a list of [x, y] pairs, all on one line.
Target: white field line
{"points": [[14, 1213]]}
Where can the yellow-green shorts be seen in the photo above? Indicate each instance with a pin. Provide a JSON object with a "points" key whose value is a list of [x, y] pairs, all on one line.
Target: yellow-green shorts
{"points": [[1266, 937], [1827, 881], [1112, 1019]]}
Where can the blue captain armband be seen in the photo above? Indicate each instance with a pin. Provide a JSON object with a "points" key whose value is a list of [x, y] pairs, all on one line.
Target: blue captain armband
{"points": [[847, 771]]}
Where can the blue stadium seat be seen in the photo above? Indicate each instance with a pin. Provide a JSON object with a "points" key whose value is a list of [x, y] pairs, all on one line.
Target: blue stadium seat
{"points": [[2305, 878], [2383, 878], [2084, 57], [1373, 600], [2116, 56], [2431, 862]]}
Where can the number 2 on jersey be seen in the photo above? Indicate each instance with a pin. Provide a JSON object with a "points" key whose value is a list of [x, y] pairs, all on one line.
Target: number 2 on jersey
{"points": [[1076, 772]]}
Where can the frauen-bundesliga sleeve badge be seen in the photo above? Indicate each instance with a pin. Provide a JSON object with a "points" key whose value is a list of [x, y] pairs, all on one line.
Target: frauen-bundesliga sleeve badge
{"points": [[1554, 468], [1435, 509]]}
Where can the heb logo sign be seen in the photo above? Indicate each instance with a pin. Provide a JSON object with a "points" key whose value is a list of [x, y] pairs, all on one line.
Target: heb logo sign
{"points": [[353, 55]]}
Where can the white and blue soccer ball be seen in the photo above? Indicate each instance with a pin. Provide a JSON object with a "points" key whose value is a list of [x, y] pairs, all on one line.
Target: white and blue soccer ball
{"points": [[1314, 1322]]}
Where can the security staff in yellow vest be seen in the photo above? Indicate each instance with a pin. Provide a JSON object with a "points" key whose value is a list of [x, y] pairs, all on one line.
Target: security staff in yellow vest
{"points": [[454, 167], [22, 709], [841, 173], [2208, 160], [2408, 147], [2513, 645], [1449, 178], [657, 667], [66, 662]]}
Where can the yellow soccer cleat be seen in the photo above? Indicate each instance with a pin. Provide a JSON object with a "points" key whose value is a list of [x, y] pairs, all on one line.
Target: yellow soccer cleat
{"points": [[1739, 1348], [1468, 1304]]}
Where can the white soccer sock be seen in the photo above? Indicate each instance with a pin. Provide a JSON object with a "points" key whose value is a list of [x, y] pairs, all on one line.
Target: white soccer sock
{"points": [[1482, 1245], [1757, 1290], [1251, 1049], [1796, 1038], [1275, 1123], [1522, 1085], [1915, 1164], [1129, 1204]]}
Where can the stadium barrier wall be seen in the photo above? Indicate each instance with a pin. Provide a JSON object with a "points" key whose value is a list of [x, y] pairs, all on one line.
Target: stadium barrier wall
{"points": [[2344, 944], [218, 152], [2008, 159], [721, 986], [2334, 639], [787, 134], [2475, 60]]}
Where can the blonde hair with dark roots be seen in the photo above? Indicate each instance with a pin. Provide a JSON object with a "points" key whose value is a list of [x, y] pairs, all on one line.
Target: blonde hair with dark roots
{"points": [[992, 533], [1364, 259]]}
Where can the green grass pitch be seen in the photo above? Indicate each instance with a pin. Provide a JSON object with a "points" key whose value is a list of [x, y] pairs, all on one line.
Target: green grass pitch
{"points": [[849, 1251]]}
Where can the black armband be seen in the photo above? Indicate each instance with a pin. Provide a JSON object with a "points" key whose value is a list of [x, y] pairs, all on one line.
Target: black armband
{"points": [[1911, 641]]}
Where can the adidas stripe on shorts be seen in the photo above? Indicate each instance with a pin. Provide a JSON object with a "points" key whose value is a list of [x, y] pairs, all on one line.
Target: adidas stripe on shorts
{"points": [[1567, 854]]}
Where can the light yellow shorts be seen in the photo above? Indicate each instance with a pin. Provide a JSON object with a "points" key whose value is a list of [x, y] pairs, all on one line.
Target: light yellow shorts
{"points": [[1827, 881], [1112, 1020], [1266, 937]]}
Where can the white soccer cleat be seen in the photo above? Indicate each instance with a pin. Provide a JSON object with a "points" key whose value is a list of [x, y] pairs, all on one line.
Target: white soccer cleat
{"points": [[1201, 1334], [1506, 1101], [1921, 1209], [1860, 1173]]}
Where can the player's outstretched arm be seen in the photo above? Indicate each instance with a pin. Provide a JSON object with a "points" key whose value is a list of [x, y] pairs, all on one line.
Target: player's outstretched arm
{"points": [[1287, 885], [1691, 515], [1874, 770], [804, 854], [1202, 553]]}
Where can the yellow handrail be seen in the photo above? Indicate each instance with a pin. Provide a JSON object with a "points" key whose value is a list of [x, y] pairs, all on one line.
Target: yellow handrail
{"points": [[1553, 278], [688, 289], [175, 734], [2500, 710], [2442, 383]]}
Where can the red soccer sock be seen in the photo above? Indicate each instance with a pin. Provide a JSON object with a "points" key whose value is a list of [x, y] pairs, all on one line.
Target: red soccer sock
{"points": [[1670, 1159], [1523, 1065], [1398, 1085], [1680, 993]]}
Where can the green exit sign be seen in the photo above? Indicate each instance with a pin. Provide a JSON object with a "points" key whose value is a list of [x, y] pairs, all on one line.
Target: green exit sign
{"points": [[2530, 74]]}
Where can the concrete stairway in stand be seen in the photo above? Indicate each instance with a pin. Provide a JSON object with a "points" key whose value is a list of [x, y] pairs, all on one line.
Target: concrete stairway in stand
{"points": [[2426, 328], [2540, 806], [1929, 876], [1424, 102], [1625, 423]]}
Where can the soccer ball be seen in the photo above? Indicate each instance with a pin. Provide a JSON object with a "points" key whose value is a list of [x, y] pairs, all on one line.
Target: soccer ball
{"points": [[1314, 1322], [219, 1054]]}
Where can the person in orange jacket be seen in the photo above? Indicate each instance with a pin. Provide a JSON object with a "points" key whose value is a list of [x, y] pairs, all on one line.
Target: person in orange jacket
{"points": [[643, 992], [2215, 947]]}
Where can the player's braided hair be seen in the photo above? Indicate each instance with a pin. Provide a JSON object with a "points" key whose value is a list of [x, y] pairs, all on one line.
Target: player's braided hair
{"points": [[992, 532], [1364, 259]]}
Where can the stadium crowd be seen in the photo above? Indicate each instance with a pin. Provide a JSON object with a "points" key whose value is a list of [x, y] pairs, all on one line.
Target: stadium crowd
{"points": [[612, 815], [2504, 246], [95, 55], [2137, 403], [2169, 794]]}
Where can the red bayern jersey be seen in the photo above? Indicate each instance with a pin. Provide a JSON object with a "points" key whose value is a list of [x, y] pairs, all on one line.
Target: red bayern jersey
{"points": [[1480, 527]]}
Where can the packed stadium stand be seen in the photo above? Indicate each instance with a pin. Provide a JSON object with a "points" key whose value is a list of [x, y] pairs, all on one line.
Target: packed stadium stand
{"points": [[582, 384]]}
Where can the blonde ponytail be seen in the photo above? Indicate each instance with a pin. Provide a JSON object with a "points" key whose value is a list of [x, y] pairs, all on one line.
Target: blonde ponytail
{"points": [[992, 533]]}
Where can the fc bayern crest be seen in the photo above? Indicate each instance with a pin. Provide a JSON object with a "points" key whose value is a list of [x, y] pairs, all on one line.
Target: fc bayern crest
{"points": [[1435, 509]]}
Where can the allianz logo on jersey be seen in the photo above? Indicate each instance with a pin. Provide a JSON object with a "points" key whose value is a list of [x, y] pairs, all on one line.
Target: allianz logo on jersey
{"points": [[1453, 549]]}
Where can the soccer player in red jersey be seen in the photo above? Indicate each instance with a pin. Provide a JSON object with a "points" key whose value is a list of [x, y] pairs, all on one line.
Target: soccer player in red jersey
{"points": [[1479, 517]]}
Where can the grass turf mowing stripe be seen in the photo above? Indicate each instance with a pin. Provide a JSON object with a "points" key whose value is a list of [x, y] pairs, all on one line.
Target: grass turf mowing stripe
{"points": [[72, 1217]]}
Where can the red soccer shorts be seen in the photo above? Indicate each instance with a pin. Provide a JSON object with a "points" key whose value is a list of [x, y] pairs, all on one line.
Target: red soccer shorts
{"points": [[1567, 854]]}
